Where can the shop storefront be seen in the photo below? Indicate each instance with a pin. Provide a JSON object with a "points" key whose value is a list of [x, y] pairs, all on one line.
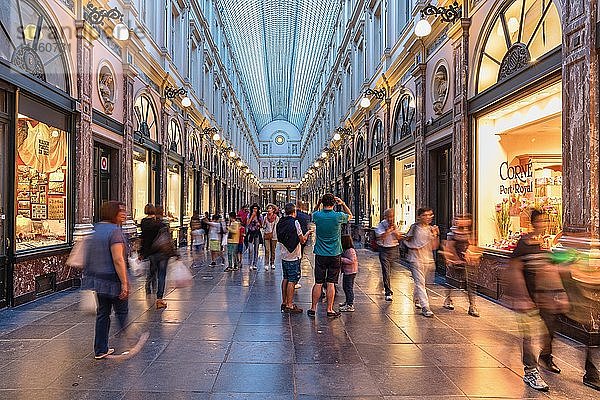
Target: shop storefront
{"points": [[375, 195], [146, 157], [174, 179], [404, 191], [37, 142], [516, 133]]}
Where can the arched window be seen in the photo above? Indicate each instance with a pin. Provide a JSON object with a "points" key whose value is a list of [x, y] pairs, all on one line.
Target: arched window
{"points": [[174, 136], [206, 157], [194, 149], [340, 164], [360, 149], [30, 42], [348, 158], [215, 165], [146, 117], [404, 119], [377, 137], [524, 30]]}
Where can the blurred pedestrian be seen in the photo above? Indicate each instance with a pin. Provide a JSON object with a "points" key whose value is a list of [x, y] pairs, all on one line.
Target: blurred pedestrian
{"points": [[422, 239], [388, 236], [349, 270], [270, 236], [233, 238], [196, 231], [105, 272], [149, 228], [215, 237], [290, 237], [253, 235], [537, 292], [161, 254], [459, 250], [328, 249]]}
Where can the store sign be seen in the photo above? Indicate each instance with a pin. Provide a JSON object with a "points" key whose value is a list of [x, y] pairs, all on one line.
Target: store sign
{"points": [[520, 177], [104, 163], [410, 165]]}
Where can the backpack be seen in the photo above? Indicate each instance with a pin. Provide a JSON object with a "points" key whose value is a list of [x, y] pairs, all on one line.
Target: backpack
{"points": [[287, 234]]}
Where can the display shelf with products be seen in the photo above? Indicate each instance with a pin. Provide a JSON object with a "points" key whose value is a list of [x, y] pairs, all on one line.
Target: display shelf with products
{"points": [[534, 181]]}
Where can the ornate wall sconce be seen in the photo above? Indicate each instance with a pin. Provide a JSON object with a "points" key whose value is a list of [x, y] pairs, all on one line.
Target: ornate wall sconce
{"points": [[96, 16], [447, 14], [379, 94]]}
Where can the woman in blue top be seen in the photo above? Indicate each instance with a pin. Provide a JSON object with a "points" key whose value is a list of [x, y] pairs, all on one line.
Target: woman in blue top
{"points": [[105, 272]]}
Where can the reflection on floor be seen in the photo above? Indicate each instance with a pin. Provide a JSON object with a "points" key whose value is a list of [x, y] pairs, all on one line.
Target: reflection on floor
{"points": [[225, 338]]}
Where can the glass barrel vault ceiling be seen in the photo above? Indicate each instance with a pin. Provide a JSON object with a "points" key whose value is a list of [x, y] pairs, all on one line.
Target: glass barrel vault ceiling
{"points": [[279, 47]]}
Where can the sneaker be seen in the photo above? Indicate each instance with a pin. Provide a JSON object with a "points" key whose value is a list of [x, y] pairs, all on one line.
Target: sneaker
{"points": [[254, 267], [533, 379], [160, 303], [426, 312], [418, 306], [282, 307], [213, 264], [342, 304], [228, 269], [236, 268], [273, 266], [297, 286], [103, 355], [266, 267], [388, 297], [473, 311], [347, 308], [310, 313], [448, 304]]}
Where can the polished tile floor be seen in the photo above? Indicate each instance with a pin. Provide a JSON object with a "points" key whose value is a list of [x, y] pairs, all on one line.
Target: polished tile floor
{"points": [[225, 338]]}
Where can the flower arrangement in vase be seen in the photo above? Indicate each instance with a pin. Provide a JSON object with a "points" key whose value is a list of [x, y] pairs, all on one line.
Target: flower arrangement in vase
{"points": [[502, 218]]}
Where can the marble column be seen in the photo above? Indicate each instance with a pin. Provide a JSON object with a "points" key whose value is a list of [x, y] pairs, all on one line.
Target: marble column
{"points": [[126, 170], [387, 163], [84, 157], [420, 161], [461, 199], [580, 134]]}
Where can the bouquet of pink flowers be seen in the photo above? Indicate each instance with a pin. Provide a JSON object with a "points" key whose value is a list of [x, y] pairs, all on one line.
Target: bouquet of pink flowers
{"points": [[502, 218]]}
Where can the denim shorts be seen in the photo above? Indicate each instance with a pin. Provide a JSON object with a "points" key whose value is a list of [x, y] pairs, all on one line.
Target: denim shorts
{"points": [[291, 270], [240, 248]]}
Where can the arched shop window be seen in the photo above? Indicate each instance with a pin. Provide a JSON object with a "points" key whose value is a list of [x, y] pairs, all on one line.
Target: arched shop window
{"points": [[206, 157], [360, 149], [174, 136], [377, 137], [30, 42], [146, 117], [523, 32], [348, 158], [404, 118], [194, 149]]}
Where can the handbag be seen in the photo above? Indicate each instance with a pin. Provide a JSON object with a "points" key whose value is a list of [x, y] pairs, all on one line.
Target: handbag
{"points": [[77, 257], [163, 242], [88, 303], [137, 266]]}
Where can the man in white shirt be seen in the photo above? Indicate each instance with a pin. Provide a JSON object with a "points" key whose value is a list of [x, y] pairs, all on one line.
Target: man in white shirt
{"points": [[290, 239], [388, 237]]}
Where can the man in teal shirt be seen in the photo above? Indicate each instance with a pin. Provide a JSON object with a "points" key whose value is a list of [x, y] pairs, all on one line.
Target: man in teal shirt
{"points": [[328, 249]]}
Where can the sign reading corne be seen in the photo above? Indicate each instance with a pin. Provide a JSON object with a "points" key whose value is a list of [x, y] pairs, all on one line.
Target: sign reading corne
{"points": [[521, 175]]}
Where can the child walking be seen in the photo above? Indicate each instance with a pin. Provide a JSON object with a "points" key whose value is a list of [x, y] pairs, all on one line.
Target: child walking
{"points": [[233, 238], [349, 269], [240, 247]]}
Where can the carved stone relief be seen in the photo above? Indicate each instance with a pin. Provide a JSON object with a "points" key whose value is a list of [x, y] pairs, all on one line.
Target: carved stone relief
{"points": [[439, 93], [106, 89]]}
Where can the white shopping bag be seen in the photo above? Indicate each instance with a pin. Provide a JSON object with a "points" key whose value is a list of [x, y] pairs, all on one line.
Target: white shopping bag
{"points": [[88, 303], [138, 267], [77, 257], [178, 274]]}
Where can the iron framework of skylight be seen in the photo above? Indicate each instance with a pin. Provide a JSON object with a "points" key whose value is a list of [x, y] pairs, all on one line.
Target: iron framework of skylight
{"points": [[279, 47]]}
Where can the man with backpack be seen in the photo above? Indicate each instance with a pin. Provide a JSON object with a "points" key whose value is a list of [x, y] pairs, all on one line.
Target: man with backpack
{"points": [[290, 237]]}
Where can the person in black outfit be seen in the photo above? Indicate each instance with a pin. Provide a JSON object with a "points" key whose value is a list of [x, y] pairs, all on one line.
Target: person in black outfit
{"points": [[149, 229]]}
